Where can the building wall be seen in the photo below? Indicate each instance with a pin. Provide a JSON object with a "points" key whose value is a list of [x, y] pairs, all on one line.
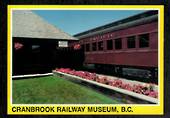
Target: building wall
{"points": [[43, 59]]}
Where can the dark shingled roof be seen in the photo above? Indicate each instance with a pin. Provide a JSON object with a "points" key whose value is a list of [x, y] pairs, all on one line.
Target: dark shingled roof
{"points": [[27, 24]]}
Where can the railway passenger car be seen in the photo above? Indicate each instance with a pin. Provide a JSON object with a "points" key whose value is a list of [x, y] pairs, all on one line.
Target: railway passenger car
{"points": [[130, 42]]}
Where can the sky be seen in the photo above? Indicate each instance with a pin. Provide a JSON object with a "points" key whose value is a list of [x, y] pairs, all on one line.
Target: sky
{"points": [[77, 21]]}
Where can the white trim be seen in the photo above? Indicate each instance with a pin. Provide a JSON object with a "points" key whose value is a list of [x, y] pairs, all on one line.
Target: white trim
{"points": [[31, 75]]}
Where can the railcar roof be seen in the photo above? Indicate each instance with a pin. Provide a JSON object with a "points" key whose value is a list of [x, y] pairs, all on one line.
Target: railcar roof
{"points": [[119, 22], [27, 24]]}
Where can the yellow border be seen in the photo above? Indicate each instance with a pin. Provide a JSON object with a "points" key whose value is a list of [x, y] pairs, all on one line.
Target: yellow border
{"points": [[137, 109]]}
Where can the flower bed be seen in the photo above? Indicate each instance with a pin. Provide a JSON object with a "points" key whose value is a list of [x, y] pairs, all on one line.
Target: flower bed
{"points": [[143, 89]]}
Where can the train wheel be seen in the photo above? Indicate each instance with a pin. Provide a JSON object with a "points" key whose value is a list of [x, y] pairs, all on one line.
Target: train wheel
{"points": [[154, 74], [118, 71]]}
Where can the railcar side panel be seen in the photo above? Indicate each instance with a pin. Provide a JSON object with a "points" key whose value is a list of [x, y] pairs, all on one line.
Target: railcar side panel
{"points": [[138, 58]]}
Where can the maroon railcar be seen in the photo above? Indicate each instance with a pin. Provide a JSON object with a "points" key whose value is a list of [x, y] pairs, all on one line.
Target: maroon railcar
{"points": [[130, 42]]}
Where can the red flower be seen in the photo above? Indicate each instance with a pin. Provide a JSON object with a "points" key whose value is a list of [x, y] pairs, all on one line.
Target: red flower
{"points": [[77, 47], [138, 88], [18, 45]]}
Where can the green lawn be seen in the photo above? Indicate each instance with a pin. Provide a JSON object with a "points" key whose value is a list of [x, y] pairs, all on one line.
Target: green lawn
{"points": [[52, 90]]}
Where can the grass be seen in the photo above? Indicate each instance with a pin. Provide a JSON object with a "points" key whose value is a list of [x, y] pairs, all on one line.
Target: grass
{"points": [[52, 90]]}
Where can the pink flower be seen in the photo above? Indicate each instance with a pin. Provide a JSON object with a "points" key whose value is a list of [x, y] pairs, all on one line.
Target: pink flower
{"points": [[18, 45]]}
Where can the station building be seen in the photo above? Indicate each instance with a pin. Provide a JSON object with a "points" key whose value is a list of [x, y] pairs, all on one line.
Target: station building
{"points": [[38, 46]]}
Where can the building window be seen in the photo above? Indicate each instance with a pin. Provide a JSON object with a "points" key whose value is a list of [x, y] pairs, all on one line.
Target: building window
{"points": [[144, 40], [131, 42], [33, 47], [87, 47], [109, 44], [100, 45], [118, 43], [94, 46]]}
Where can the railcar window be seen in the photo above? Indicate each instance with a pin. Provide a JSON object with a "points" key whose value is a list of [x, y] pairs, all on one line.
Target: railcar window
{"points": [[87, 47], [82, 46], [144, 40], [100, 45], [118, 43], [109, 44], [131, 42], [94, 46]]}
